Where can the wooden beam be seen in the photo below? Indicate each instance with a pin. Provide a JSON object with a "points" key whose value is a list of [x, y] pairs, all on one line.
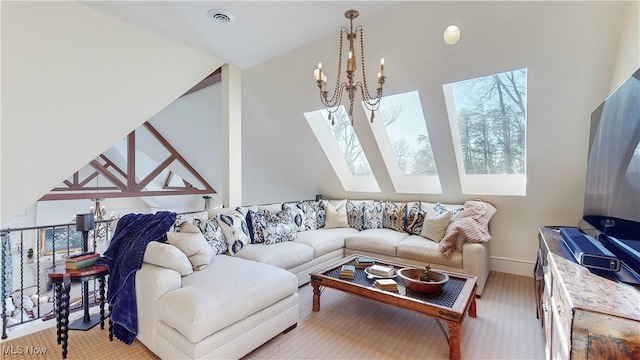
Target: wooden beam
{"points": [[212, 79]]}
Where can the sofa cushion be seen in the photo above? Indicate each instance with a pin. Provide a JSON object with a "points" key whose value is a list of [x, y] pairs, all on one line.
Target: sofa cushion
{"points": [[235, 231], [344, 232], [321, 212], [434, 227], [322, 241], [418, 248], [208, 301], [372, 215], [195, 246], [415, 219], [279, 227], [212, 232], [256, 223], [394, 216], [303, 214], [285, 255], [167, 256], [355, 214], [336, 215], [381, 241]]}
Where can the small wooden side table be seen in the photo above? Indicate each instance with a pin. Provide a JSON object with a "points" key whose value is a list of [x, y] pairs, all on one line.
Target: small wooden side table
{"points": [[62, 282]]}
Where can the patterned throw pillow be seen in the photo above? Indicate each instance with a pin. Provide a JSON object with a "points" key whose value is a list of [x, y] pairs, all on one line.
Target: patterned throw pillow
{"points": [[355, 215], [213, 234], [279, 227], [256, 223], [415, 220], [441, 209], [310, 220], [235, 231], [321, 212], [296, 214], [393, 217], [372, 215]]}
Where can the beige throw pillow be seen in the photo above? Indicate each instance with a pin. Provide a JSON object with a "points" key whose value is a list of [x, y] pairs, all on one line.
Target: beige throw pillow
{"points": [[336, 216], [435, 227], [167, 256], [195, 246]]}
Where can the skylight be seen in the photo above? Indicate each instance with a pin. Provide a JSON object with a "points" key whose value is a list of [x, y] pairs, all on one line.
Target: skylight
{"points": [[488, 126], [342, 147], [402, 137]]}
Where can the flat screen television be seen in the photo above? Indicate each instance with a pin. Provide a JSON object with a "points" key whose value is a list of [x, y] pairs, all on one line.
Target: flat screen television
{"points": [[612, 187]]}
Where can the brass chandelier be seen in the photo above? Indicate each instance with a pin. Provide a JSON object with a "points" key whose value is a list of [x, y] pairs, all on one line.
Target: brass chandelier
{"points": [[372, 103]]}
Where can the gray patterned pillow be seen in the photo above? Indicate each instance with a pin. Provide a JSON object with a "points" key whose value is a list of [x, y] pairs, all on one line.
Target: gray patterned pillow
{"points": [[393, 217], [372, 215], [235, 231], [415, 219], [355, 215], [279, 227], [212, 232]]}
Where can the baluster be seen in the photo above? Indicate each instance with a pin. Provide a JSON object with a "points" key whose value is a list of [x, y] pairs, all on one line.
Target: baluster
{"points": [[5, 256]]}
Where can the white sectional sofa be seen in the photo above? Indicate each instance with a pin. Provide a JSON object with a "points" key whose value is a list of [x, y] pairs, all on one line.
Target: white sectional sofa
{"points": [[248, 294]]}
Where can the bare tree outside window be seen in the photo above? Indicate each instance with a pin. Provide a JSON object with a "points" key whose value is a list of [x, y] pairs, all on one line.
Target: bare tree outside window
{"points": [[491, 114]]}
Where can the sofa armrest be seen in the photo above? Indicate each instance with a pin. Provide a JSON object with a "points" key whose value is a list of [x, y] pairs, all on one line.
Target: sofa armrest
{"points": [[476, 261], [152, 282]]}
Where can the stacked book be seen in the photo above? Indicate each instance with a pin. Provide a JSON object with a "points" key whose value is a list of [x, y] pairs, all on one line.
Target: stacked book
{"points": [[381, 270], [386, 284], [81, 261], [363, 262], [347, 271]]}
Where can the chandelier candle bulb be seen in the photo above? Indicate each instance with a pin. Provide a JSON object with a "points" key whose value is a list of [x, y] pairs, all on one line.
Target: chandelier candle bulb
{"points": [[381, 67]]}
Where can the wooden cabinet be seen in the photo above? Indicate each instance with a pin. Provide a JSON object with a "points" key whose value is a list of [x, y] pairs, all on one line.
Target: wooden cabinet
{"points": [[584, 316]]}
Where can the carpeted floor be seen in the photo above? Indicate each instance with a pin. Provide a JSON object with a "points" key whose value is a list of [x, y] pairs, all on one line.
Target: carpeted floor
{"points": [[350, 327]]}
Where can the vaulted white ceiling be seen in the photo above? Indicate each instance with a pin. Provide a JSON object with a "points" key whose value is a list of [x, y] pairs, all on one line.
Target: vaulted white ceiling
{"points": [[287, 24]]}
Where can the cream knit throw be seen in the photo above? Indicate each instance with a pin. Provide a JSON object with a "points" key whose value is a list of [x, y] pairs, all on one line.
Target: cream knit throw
{"points": [[472, 222]]}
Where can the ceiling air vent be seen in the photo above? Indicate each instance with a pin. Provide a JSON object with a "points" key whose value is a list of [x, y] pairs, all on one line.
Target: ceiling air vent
{"points": [[220, 16]]}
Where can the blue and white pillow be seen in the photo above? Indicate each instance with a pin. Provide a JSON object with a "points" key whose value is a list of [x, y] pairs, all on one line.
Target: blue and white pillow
{"points": [[441, 209], [279, 227], [394, 215], [235, 231], [372, 215], [321, 212], [304, 215], [355, 215], [256, 223], [415, 219], [212, 232]]}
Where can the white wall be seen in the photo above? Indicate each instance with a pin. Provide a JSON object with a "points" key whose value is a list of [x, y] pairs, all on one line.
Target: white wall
{"points": [[74, 81], [568, 48], [193, 126], [628, 56]]}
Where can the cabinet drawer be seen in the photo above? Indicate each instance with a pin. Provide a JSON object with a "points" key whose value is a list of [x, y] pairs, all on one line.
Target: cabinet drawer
{"points": [[562, 312]]}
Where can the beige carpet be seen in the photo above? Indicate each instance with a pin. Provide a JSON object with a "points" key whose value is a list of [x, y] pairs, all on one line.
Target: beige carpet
{"points": [[350, 327]]}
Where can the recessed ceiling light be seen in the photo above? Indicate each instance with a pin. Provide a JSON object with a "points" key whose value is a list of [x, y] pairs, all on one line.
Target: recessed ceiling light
{"points": [[451, 34], [220, 16]]}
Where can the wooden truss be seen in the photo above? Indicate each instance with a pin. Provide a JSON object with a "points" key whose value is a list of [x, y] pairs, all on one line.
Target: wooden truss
{"points": [[123, 182]]}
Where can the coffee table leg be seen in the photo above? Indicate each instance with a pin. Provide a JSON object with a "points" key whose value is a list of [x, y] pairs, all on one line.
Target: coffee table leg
{"points": [[316, 296], [472, 308], [454, 340]]}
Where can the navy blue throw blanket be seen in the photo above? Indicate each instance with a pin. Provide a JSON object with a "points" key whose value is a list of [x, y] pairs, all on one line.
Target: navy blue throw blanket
{"points": [[123, 258]]}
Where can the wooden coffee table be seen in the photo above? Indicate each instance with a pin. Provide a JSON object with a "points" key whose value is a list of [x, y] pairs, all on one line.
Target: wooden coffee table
{"points": [[451, 304]]}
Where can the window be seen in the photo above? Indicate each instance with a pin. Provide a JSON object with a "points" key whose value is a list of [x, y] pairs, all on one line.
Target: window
{"points": [[402, 137], [488, 126], [342, 147]]}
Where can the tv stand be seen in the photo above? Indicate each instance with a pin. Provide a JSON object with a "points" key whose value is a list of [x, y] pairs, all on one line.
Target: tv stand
{"points": [[584, 316]]}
